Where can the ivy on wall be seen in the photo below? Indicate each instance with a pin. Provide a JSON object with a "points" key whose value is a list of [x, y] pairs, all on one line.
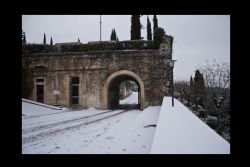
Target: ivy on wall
{"points": [[123, 45]]}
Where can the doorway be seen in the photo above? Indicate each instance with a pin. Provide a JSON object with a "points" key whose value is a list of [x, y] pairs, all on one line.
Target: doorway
{"points": [[40, 93]]}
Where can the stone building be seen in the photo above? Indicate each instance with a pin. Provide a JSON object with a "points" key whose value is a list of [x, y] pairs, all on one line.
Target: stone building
{"points": [[89, 75]]}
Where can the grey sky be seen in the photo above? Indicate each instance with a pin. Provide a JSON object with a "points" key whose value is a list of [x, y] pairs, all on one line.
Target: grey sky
{"points": [[197, 38]]}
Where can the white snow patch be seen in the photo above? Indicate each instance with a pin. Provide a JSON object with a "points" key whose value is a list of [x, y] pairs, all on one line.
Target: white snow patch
{"points": [[131, 99]]}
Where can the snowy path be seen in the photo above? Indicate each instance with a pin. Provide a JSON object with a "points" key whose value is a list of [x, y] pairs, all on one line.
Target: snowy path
{"points": [[137, 137], [36, 133], [89, 131], [132, 99]]}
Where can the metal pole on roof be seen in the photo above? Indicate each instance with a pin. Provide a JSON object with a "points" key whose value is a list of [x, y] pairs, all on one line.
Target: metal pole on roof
{"points": [[100, 27]]}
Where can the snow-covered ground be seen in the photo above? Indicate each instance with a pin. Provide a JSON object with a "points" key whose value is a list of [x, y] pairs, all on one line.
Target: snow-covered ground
{"points": [[89, 131], [179, 131], [50, 130], [132, 99]]}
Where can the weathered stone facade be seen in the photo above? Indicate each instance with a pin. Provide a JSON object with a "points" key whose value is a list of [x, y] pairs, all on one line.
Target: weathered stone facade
{"points": [[99, 70]]}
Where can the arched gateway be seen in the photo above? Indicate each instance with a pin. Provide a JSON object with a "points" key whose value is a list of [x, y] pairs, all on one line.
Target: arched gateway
{"points": [[110, 88], [90, 75]]}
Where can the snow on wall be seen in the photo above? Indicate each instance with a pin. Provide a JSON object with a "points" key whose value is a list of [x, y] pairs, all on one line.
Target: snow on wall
{"points": [[41, 104], [179, 131], [32, 108]]}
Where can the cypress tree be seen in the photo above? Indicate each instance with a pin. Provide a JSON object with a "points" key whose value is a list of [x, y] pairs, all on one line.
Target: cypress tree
{"points": [[135, 27], [44, 39], [199, 87], [51, 41], [111, 36], [79, 40], [24, 39], [115, 36], [192, 88], [158, 36], [155, 20], [149, 31], [191, 83]]}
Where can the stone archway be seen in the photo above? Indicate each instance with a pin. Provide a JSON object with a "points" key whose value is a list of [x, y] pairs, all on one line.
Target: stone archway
{"points": [[123, 73]]}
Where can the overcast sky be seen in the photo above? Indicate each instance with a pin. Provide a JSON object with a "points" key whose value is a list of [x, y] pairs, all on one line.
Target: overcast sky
{"points": [[197, 38]]}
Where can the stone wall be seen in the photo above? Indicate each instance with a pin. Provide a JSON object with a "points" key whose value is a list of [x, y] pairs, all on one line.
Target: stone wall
{"points": [[94, 67]]}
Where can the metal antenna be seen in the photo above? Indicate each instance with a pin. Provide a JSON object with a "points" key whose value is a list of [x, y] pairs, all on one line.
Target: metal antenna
{"points": [[100, 27]]}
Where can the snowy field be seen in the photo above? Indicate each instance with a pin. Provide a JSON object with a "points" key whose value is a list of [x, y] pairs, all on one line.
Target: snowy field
{"points": [[47, 130]]}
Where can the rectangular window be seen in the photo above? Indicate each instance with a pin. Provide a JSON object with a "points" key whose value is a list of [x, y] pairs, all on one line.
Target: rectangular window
{"points": [[75, 90]]}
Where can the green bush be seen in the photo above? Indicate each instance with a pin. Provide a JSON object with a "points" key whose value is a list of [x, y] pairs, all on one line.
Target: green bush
{"points": [[158, 36]]}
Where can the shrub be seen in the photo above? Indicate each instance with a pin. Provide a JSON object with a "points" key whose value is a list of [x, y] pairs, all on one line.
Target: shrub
{"points": [[202, 113], [158, 36], [212, 121]]}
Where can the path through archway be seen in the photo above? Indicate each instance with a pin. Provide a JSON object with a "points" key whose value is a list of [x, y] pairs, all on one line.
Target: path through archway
{"points": [[111, 89]]}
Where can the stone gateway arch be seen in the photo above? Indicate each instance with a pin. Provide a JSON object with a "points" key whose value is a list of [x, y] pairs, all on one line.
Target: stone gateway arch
{"points": [[89, 75], [112, 82]]}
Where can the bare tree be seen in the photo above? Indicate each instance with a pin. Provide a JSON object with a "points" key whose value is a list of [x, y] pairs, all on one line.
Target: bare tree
{"points": [[183, 90], [216, 77], [217, 82]]}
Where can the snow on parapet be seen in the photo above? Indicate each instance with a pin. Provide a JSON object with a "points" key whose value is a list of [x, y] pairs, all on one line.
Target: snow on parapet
{"points": [[41, 104], [179, 131]]}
